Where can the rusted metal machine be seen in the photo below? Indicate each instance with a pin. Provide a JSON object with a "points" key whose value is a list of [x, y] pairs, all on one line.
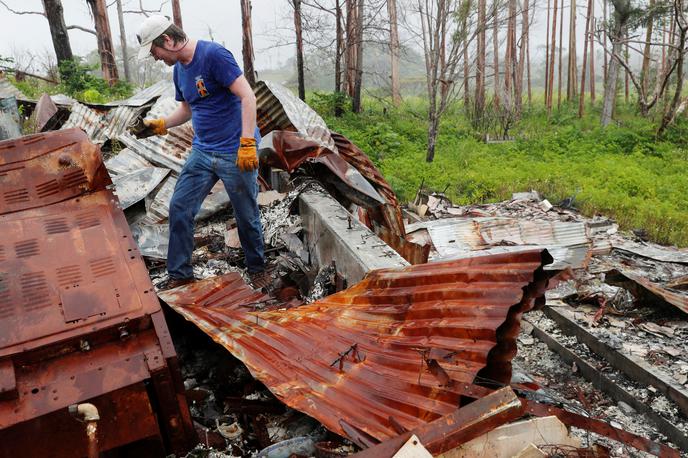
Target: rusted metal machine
{"points": [[79, 319]]}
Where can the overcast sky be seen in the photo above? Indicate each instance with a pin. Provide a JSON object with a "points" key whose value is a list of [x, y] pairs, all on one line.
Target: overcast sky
{"points": [[22, 33]]}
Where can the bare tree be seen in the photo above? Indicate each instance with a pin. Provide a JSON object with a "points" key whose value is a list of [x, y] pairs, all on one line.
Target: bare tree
{"points": [[495, 51], [480, 56], [621, 15], [123, 41], [58, 30], [296, 4], [105, 49], [581, 101], [553, 42], [572, 78], [247, 42], [177, 14], [443, 48], [394, 49], [339, 53]]}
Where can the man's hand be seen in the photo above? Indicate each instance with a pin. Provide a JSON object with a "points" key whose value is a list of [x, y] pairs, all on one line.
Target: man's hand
{"points": [[247, 160], [156, 125]]}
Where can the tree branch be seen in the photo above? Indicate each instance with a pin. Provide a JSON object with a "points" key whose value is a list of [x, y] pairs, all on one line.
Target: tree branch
{"points": [[83, 29], [21, 12]]}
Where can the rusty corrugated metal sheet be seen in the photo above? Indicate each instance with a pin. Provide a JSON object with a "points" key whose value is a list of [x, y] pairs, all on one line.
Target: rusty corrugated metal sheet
{"points": [[637, 283], [78, 315], [142, 97], [41, 169], [387, 347], [279, 109]]}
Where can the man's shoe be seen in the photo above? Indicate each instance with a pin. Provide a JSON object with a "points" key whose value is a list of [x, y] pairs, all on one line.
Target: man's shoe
{"points": [[172, 283], [261, 279]]}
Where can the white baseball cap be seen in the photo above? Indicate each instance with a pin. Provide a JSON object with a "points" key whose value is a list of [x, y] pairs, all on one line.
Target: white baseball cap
{"points": [[149, 30]]}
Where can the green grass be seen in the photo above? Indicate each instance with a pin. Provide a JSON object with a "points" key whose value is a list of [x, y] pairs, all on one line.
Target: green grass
{"points": [[621, 172]]}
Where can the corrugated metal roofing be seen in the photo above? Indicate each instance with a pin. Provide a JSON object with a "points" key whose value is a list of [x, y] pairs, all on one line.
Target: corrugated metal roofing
{"points": [[169, 151], [383, 351], [279, 109], [453, 238], [99, 126]]}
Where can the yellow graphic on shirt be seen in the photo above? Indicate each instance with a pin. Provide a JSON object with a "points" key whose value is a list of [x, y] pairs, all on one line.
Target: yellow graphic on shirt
{"points": [[200, 87]]}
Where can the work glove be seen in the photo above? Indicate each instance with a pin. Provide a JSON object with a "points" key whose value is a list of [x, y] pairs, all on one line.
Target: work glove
{"points": [[247, 160], [156, 125]]}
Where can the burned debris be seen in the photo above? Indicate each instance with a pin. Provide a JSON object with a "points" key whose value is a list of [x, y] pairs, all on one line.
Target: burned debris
{"points": [[511, 329]]}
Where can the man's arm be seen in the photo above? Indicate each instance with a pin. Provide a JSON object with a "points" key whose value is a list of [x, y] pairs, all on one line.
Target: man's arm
{"points": [[242, 89], [178, 116]]}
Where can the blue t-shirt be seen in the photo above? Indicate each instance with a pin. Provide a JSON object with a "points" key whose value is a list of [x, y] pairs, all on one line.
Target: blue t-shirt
{"points": [[204, 85]]}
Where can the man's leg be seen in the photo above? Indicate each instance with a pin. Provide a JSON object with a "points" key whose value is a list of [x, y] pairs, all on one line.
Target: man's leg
{"points": [[242, 189], [195, 182]]}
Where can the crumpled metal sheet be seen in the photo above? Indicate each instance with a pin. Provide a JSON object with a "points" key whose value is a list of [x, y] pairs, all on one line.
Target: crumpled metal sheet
{"points": [[279, 109], [126, 161], [152, 240], [288, 150], [639, 286], [387, 347], [169, 151], [651, 250], [453, 238], [41, 169], [102, 126], [135, 186]]}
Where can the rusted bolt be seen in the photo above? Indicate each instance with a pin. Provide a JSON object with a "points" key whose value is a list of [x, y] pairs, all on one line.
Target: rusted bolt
{"points": [[123, 333], [84, 345]]}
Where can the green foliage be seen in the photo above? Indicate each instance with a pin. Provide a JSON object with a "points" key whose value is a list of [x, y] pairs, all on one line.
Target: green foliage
{"points": [[622, 171], [80, 83]]}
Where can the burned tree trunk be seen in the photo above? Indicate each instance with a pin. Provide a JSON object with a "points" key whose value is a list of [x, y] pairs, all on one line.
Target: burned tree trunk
{"points": [[480, 62], [553, 42], [622, 11], [105, 49], [495, 51], [58, 30], [338, 60], [177, 14], [358, 72], [247, 42], [299, 48], [572, 78], [581, 101], [394, 50], [123, 41]]}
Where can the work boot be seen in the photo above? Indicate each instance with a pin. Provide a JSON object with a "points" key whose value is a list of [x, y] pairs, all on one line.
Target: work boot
{"points": [[172, 283], [261, 279]]}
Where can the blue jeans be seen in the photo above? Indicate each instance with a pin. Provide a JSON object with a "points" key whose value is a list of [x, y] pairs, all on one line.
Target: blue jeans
{"points": [[199, 175]]}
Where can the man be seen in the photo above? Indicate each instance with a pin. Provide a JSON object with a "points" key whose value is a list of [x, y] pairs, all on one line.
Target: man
{"points": [[217, 98]]}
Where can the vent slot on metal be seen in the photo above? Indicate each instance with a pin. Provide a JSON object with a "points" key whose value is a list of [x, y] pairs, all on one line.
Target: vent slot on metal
{"points": [[6, 307], [69, 275], [102, 266], [17, 196], [2, 253], [48, 188], [56, 226], [86, 220], [74, 178], [26, 248], [35, 291]]}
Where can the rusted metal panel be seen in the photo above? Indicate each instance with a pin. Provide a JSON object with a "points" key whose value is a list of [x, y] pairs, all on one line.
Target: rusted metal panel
{"points": [[458, 427], [279, 109], [641, 287], [41, 169], [288, 150], [78, 315], [394, 345], [131, 419]]}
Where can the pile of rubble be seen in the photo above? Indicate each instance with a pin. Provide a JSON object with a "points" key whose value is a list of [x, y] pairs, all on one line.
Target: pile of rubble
{"points": [[386, 330]]}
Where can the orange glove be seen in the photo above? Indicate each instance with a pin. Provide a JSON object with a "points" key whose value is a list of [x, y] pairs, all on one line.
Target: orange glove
{"points": [[156, 125], [247, 160]]}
